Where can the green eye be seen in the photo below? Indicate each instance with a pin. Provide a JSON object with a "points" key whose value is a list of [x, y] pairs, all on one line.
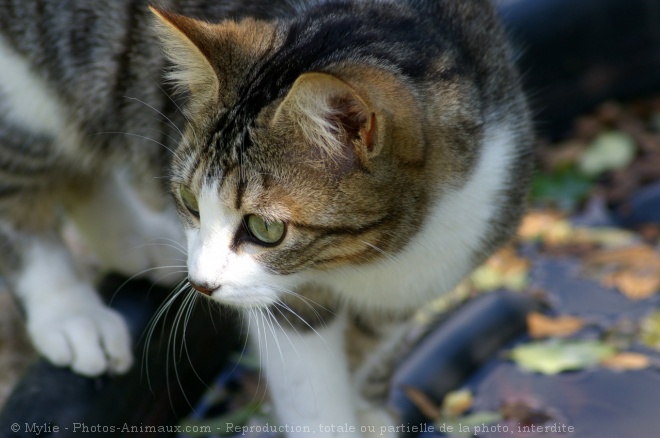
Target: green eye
{"points": [[265, 231], [189, 200]]}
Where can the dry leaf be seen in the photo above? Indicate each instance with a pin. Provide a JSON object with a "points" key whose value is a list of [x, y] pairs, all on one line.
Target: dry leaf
{"points": [[634, 285], [626, 361], [635, 256], [504, 269], [604, 236], [650, 330], [634, 270], [542, 326], [557, 355], [550, 226], [456, 403], [425, 405]]}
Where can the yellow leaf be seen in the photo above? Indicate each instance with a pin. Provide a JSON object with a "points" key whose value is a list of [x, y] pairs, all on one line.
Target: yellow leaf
{"points": [[650, 330], [456, 403], [549, 226], [504, 269]]}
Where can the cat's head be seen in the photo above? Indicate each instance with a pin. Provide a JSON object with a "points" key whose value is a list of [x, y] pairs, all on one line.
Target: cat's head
{"points": [[291, 164]]}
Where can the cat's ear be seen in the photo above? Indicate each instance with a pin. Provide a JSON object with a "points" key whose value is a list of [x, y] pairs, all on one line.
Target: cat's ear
{"points": [[189, 44], [333, 118]]}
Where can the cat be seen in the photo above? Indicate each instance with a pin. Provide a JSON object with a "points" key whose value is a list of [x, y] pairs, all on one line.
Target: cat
{"points": [[335, 165]]}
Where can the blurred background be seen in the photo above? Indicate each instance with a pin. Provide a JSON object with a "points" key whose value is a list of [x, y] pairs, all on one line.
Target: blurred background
{"points": [[557, 335]]}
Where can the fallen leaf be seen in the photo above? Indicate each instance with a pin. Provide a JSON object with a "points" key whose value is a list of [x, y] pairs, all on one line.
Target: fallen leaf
{"points": [[626, 361], [556, 355], [456, 403], [634, 270], [640, 256], [649, 329], [635, 285], [542, 326], [504, 269], [549, 226], [425, 405], [609, 151], [604, 236]]}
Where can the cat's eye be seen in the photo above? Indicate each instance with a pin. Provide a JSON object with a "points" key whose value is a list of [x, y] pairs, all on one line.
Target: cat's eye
{"points": [[266, 232], [189, 200]]}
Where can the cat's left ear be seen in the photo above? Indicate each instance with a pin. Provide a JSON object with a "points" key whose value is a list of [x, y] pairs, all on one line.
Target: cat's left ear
{"points": [[189, 44], [332, 117]]}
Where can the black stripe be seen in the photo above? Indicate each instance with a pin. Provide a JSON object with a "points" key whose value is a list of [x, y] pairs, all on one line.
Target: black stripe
{"points": [[325, 230], [123, 77], [328, 34]]}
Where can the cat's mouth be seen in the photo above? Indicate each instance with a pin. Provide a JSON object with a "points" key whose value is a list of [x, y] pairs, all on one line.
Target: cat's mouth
{"points": [[241, 297]]}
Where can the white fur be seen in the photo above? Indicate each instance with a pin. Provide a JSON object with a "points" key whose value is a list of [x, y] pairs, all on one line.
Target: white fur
{"points": [[66, 320], [307, 377], [236, 278], [128, 236], [438, 257], [27, 101]]}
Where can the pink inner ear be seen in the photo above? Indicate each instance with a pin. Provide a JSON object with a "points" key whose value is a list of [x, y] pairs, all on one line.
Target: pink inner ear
{"points": [[352, 121], [367, 133]]}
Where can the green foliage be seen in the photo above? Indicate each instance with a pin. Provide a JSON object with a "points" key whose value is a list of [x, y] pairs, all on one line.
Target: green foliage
{"points": [[564, 188]]}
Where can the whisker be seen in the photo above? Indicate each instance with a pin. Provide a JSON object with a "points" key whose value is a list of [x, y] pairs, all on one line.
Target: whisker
{"points": [[289, 309], [171, 100], [158, 111], [389, 256], [135, 135], [147, 335], [173, 339]]}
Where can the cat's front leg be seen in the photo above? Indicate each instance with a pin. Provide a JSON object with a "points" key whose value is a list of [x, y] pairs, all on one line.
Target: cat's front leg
{"points": [[66, 320], [307, 374]]}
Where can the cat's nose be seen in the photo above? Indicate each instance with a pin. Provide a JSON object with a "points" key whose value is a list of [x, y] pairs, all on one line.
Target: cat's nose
{"points": [[204, 288]]}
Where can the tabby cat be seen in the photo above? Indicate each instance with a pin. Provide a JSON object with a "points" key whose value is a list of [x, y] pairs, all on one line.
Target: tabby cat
{"points": [[335, 165]]}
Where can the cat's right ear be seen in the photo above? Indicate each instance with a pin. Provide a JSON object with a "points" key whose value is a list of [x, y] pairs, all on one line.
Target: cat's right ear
{"points": [[189, 44]]}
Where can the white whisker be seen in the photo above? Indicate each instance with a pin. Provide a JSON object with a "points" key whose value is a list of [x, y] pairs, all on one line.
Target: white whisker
{"points": [[159, 112]]}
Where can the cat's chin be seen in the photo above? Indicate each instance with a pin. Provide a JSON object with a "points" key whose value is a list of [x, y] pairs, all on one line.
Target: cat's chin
{"points": [[254, 298]]}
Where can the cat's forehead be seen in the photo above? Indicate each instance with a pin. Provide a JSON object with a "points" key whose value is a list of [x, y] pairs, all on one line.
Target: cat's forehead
{"points": [[271, 191]]}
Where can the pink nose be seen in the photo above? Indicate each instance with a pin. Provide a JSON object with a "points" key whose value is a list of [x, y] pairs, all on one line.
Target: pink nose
{"points": [[203, 288]]}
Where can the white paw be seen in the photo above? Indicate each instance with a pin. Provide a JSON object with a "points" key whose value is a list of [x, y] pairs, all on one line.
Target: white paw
{"points": [[92, 339]]}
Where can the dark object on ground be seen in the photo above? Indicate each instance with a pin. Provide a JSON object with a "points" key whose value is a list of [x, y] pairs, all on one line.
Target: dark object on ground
{"points": [[450, 354], [53, 397], [643, 208]]}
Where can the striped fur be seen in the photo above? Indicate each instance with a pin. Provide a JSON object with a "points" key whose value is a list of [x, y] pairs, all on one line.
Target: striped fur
{"points": [[390, 137]]}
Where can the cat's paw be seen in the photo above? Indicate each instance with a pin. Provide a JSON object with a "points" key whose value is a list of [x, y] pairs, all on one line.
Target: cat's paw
{"points": [[92, 339]]}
